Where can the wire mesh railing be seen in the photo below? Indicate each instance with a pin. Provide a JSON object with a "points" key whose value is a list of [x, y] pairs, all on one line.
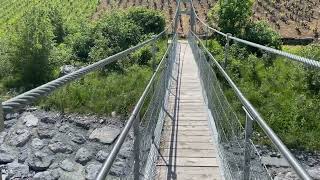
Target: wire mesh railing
{"points": [[231, 136], [251, 116]]}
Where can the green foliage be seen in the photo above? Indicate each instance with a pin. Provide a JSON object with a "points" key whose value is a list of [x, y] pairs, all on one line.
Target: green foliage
{"points": [[281, 92], [143, 56], [114, 33], [102, 94], [57, 23], [151, 21], [233, 15], [32, 47], [260, 32]]}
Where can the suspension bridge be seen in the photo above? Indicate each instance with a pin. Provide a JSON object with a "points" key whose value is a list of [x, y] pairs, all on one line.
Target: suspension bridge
{"points": [[183, 125]]}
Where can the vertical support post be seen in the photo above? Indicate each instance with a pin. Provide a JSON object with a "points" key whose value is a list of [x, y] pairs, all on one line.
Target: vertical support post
{"points": [[154, 59], [136, 147], [1, 127], [192, 20], [1, 119], [226, 50], [247, 149], [207, 34]]}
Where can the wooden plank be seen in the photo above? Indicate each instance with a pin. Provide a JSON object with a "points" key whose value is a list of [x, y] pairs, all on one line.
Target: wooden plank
{"points": [[190, 173], [187, 145], [190, 152], [189, 161]]}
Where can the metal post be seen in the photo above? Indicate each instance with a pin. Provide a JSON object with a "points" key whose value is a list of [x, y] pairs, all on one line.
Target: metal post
{"points": [[192, 21], [1, 118], [1, 127], [136, 147], [207, 34], [247, 149], [154, 66], [226, 50]]}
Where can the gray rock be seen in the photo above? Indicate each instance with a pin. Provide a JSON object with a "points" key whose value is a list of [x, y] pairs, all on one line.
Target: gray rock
{"points": [[10, 116], [47, 175], [23, 155], [64, 128], [40, 161], [291, 175], [29, 119], [17, 170], [48, 120], [60, 147], [45, 132], [102, 156], [78, 138], [37, 143], [314, 172], [19, 137], [9, 123], [274, 161], [117, 168], [77, 174], [3, 134], [125, 152], [92, 171], [105, 135], [84, 123], [83, 155], [67, 165], [66, 69], [6, 157]]}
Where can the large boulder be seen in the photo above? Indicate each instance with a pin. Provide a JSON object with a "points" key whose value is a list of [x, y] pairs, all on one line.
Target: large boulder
{"points": [[92, 171], [105, 135], [19, 137], [40, 161], [67, 69], [60, 147], [83, 155], [67, 165], [29, 119], [17, 171]]}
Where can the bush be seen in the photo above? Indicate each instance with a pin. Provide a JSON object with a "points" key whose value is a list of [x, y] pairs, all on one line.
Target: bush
{"points": [[151, 21], [261, 33], [32, 47]]}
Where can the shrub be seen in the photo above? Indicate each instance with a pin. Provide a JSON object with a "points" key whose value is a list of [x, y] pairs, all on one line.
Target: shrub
{"points": [[260, 32], [151, 21], [32, 47]]}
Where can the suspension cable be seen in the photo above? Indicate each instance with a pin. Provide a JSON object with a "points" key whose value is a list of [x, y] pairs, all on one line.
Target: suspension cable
{"points": [[270, 133], [306, 61]]}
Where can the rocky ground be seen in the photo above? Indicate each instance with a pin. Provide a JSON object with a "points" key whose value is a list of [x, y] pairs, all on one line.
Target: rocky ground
{"points": [[47, 145], [279, 168]]}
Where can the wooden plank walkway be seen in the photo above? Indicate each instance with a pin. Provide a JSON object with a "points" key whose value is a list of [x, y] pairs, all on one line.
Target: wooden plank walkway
{"points": [[187, 149]]}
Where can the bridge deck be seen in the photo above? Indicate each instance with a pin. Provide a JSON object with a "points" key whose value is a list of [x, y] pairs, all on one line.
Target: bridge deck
{"points": [[187, 148]]}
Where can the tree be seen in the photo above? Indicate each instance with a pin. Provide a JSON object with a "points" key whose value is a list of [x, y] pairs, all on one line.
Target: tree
{"points": [[151, 21], [32, 47], [57, 23], [233, 15]]}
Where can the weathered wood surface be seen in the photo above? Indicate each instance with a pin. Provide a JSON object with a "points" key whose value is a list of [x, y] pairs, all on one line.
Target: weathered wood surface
{"points": [[187, 149]]}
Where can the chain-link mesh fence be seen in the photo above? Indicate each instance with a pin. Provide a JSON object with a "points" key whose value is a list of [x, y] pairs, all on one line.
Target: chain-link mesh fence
{"points": [[231, 134]]}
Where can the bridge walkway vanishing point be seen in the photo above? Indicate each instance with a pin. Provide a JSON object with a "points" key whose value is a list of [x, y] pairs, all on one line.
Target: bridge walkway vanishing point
{"points": [[187, 149]]}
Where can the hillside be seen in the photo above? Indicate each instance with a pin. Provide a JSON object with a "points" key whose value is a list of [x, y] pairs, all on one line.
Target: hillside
{"points": [[292, 18]]}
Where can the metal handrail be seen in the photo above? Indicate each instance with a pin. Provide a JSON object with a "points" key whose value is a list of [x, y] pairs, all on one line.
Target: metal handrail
{"points": [[43, 90], [124, 133], [257, 117], [297, 58]]}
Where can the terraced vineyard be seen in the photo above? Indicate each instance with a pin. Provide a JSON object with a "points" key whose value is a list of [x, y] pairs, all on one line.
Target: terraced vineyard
{"points": [[73, 11], [292, 18], [166, 6]]}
